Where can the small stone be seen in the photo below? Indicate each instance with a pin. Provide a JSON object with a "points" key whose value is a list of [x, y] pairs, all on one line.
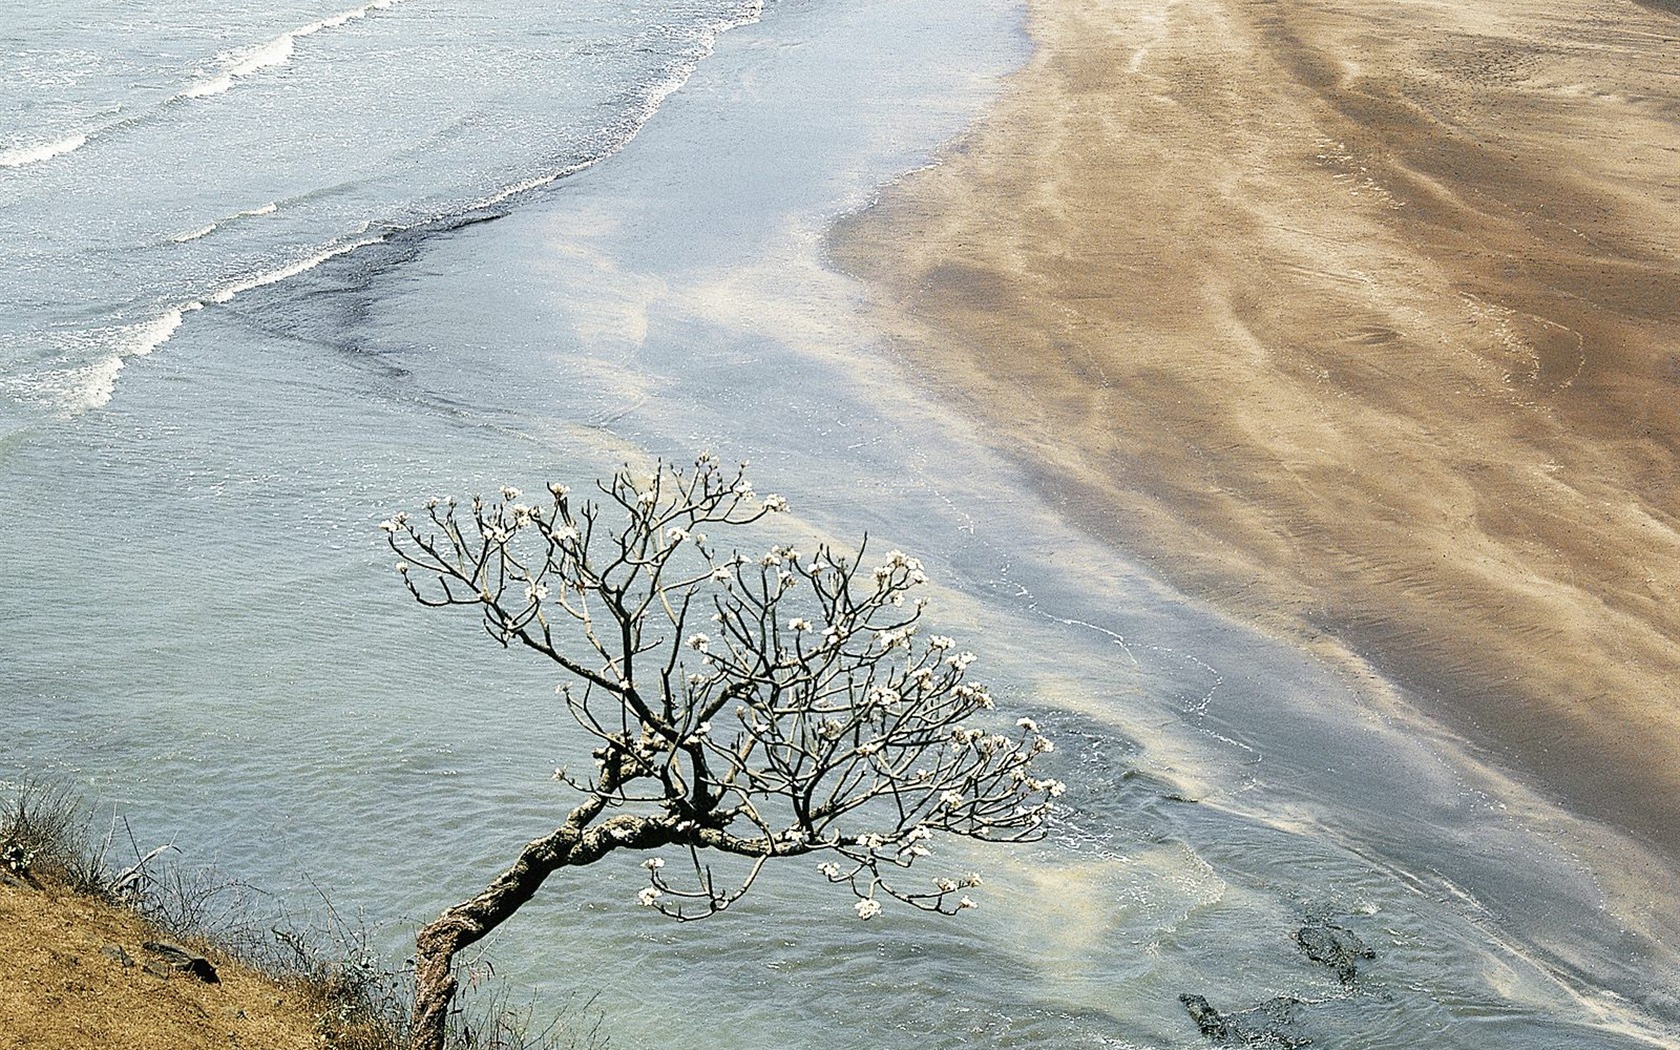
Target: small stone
{"points": [[116, 953], [184, 960]]}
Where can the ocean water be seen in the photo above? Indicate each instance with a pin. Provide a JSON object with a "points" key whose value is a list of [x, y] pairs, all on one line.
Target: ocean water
{"points": [[255, 303]]}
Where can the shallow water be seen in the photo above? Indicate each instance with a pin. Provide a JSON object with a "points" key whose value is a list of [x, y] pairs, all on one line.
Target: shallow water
{"points": [[204, 629]]}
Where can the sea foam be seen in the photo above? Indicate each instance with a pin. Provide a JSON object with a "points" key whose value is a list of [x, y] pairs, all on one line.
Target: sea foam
{"points": [[22, 155], [70, 391], [276, 52]]}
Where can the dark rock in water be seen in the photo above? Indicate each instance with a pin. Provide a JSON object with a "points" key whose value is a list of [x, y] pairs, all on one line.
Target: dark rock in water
{"points": [[1335, 947], [183, 961], [1263, 1026], [1209, 1020]]}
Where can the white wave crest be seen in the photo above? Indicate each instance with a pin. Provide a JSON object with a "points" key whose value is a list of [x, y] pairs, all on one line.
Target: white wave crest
{"points": [[276, 52], [204, 231], [72, 390], [90, 386], [193, 235], [141, 339], [21, 155], [292, 270]]}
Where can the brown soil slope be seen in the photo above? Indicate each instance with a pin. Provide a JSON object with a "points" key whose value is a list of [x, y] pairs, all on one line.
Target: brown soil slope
{"points": [[62, 989], [1362, 318]]}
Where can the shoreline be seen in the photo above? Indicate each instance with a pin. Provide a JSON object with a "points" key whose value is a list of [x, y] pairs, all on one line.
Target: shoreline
{"points": [[1355, 322]]}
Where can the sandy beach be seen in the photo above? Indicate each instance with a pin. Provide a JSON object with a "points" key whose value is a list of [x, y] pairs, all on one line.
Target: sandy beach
{"points": [[1361, 320]]}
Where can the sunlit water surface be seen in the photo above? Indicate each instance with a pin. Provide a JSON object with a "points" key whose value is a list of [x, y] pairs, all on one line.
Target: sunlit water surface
{"points": [[205, 420]]}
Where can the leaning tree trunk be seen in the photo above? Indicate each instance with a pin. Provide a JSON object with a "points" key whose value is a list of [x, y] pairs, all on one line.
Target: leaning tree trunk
{"points": [[465, 924]]}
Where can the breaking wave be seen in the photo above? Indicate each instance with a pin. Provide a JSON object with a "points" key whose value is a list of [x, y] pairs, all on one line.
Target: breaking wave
{"points": [[72, 390], [19, 156], [211, 227], [276, 52]]}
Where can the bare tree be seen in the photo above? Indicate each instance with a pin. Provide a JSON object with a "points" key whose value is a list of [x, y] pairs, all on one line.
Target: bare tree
{"points": [[745, 709]]}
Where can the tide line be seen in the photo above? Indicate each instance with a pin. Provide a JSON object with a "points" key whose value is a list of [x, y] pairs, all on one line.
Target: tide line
{"points": [[227, 293], [655, 97]]}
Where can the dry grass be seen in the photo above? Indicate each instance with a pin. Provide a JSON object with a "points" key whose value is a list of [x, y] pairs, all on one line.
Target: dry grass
{"points": [[73, 925]]}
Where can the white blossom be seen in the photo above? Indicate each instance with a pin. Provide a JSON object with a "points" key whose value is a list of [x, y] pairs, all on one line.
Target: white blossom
{"points": [[941, 642], [536, 592], [775, 504], [648, 897], [1053, 788], [509, 493], [967, 903], [698, 642], [558, 489], [799, 623], [654, 863], [868, 908], [1028, 724]]}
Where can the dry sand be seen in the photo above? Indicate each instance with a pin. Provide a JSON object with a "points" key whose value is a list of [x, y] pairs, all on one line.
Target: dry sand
{"points": [[1359, 318]]}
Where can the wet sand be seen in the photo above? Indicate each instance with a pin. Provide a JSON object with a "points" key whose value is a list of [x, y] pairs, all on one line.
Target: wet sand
{"points": [[1361, 320]]}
